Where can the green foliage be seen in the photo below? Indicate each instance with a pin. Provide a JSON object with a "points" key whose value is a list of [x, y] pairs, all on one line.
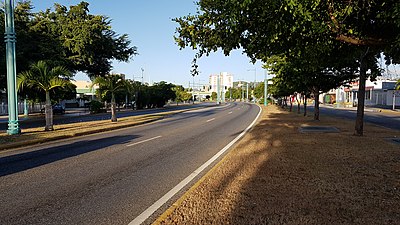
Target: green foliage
{"points": [[214, 96], [181, 94], [236, 93], [96, 107], [259, 91], [109, 85], [70, 37], [43, 77], [87, 41]]}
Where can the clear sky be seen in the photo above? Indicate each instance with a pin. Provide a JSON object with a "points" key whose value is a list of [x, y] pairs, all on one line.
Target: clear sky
{"points": [[149, 26]]}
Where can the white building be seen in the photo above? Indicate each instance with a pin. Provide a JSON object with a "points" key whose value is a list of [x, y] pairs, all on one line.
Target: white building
{"points": [[379, 92], [226, 81]]}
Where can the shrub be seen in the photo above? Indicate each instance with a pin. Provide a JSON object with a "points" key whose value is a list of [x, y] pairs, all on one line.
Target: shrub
{"points": [[96, 107]]}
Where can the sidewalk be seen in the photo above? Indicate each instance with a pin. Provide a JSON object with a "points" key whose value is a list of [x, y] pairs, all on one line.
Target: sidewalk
{"points": [[38, 115], [366, 108], [277, 175]]}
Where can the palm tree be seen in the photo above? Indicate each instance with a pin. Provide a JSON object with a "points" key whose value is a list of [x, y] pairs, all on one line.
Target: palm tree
{"points": [[111, 83], [43, 77]]}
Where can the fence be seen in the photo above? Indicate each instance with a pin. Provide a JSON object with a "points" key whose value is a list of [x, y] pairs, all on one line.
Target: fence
{"points": [[32, 108]]}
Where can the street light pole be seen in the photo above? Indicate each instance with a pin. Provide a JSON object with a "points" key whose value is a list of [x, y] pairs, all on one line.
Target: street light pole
{"points": [[10, 39], [265, 88]]}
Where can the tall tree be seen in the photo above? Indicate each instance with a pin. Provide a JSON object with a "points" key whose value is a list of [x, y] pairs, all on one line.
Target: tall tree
{"points": [[44, 77], [288, 27], [88, 42]]}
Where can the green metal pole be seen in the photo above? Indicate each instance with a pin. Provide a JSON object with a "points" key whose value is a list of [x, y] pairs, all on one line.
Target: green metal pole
{"points": [[218, 90], [26, 107], [265, 88], [10, 39]]}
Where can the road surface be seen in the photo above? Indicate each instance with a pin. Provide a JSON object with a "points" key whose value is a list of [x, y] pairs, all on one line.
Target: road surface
{"points": [[112, 178], [388, 120]]}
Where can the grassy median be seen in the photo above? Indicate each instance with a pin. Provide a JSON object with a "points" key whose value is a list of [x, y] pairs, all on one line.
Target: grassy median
{"points": [[278, 175]]}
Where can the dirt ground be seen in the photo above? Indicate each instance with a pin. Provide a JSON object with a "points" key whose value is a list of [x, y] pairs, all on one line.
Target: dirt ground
{"points": [[277, 175]]}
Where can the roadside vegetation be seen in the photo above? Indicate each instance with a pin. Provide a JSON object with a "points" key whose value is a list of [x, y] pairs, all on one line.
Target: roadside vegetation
{"points": [[55, 44], [310, 46]]}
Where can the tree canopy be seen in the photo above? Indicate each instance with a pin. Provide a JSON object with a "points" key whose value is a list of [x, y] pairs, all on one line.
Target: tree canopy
{"points": [[359, 31], [71, 37]]}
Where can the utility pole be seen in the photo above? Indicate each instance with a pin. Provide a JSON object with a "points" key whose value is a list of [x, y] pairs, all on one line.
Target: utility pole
{"points": [[142, 75], [193, 89], [247, 92], [218, 90], [10, 39]]}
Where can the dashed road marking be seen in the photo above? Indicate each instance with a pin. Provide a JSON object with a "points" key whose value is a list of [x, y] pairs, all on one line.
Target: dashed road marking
{"points": [[147, 140], [160, 202]]}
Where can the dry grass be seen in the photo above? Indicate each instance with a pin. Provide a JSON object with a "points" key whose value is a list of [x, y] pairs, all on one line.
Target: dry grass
{"points": [[277, 175]]}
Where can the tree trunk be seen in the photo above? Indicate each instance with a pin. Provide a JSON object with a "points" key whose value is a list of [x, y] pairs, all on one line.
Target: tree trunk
{"points": [[305, 105], [48, 111], [298, 104], [113, 109], [126, 101], [359, 127], [291, 104], [316, 105]]}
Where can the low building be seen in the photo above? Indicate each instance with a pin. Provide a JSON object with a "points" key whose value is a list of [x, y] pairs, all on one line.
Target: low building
{"points": [[380, 93]]}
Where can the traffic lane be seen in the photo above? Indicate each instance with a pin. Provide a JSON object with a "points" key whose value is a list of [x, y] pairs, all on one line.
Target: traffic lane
{"points": [[74, 180], [66, 119], [388, 121], [47, 175]]}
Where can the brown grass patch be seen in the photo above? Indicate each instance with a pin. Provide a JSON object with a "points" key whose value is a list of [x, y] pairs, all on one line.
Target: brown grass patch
{"points": [[277, 175]]}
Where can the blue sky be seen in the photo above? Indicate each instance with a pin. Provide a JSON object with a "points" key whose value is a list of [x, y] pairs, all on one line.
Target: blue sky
{"points": [[149, 26]]}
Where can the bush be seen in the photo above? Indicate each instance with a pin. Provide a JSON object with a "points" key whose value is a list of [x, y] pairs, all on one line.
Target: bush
{"points": [[96, 107]]}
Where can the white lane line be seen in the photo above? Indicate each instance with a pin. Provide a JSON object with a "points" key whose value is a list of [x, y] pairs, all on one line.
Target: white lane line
{"points": [[140, 142], [210, 120], [229, 112], [160, 202]]}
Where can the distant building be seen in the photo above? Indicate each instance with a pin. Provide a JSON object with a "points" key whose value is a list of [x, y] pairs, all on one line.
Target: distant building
{"points": [[84, 93], [226, 81], [83, 88]]}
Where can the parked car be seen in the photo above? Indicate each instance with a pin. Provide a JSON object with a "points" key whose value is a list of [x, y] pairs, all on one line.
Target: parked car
{"points": [[57, 109]]}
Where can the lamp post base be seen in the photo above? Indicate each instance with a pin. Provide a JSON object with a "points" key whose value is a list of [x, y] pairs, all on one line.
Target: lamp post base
{"points": [[13, 128]]}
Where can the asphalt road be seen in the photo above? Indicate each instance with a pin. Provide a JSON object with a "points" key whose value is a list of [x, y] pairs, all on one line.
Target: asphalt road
{"points": [[33, 122], [111, 178], [378, 118]]}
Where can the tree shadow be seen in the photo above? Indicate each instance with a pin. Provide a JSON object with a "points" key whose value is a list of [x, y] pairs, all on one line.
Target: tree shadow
{"points": [[24, 161], [284, 177]]}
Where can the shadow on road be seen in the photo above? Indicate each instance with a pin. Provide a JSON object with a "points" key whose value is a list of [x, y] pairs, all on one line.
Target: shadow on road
{"points": [[24, 161]]}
